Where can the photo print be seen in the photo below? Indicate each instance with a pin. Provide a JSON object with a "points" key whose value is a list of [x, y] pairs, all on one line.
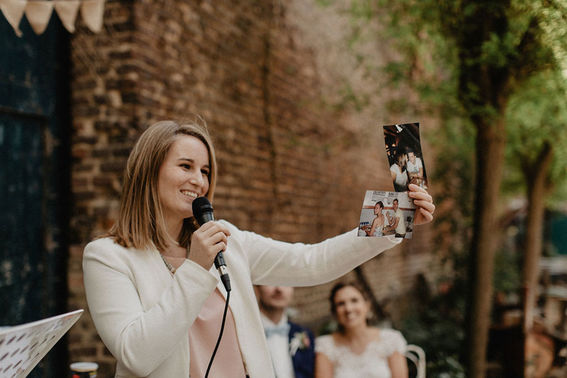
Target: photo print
{"points": [[386, 213], [403, 149]]}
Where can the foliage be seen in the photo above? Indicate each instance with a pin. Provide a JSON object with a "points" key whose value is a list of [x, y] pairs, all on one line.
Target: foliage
{"points": [[507, 279], [438, 329], [537, 114], [432, 37]]}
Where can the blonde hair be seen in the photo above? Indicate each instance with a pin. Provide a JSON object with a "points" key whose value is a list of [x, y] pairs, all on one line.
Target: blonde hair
{"points": [[140, 222]]}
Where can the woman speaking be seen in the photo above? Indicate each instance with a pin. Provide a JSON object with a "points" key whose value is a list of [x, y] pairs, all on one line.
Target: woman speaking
{"points": [[152, 290]]}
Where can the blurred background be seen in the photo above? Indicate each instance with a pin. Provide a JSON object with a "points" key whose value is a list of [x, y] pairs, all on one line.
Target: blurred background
{"points": [[295, 94]]}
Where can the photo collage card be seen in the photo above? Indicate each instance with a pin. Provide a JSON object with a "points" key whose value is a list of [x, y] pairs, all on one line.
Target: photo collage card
{"points": [[392, 213]]}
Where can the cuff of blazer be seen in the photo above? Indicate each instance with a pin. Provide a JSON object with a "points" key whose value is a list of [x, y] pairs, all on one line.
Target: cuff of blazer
{"points": [[197, 273]]}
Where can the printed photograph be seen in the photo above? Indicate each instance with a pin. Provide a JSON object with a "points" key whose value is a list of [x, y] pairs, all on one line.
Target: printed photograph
{"points": [[386, 213], [403, 149]]}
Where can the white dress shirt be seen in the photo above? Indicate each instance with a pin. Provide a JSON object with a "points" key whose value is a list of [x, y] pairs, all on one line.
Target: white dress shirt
{"points": [[277, 336]]}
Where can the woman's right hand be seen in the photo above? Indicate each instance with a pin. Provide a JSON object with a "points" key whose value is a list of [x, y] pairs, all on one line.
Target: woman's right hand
{"points": [[424, 202], [208, 240]]}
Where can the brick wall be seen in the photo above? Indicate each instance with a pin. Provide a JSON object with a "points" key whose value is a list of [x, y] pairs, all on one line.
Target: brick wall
{"points": [[289, 167], [103, 99]]}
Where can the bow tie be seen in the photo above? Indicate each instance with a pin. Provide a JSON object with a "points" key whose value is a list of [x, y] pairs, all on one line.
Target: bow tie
{"points": [[282, 330]]}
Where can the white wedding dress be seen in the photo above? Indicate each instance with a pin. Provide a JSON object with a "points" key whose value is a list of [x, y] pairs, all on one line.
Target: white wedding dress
{"points": [[372, 363]]}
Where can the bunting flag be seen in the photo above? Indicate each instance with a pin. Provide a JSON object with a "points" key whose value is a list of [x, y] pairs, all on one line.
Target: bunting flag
{"points": [[38, 13]]}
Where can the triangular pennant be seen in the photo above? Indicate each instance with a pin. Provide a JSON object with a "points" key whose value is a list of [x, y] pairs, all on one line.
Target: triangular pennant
{"points": [[13, 11], [67, 12], [38, 14], [92, 12]]}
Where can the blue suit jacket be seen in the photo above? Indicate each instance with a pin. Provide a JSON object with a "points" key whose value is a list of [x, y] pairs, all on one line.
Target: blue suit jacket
{"points": [[304, 359]]}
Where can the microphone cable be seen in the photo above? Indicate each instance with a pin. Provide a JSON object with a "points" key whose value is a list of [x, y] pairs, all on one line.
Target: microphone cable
{"points": [[203, 213], [220, 334]]}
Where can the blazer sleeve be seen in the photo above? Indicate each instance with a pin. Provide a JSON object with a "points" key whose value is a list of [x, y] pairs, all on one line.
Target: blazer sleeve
{"points": [[140, 338], [274, 262]]}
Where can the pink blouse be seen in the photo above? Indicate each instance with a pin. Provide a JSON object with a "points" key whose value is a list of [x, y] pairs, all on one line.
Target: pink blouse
{"points": [[203, 336]]}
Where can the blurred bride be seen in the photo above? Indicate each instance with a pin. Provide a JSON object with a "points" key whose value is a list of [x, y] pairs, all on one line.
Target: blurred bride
{"points": [[357, 349]]}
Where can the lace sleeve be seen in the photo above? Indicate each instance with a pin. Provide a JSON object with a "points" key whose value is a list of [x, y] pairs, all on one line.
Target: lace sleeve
{"points": [[395, 340], [325, 344]]}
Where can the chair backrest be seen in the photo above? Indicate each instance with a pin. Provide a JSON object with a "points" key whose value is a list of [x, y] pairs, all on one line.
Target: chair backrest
{"points": [[416, 355]]}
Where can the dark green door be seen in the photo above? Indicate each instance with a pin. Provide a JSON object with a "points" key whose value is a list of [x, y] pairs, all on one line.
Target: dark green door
{"points": [[34, 180], [21, 231]]}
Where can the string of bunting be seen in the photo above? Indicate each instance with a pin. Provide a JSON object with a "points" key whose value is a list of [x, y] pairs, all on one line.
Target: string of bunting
{"points": [[38, 13]]}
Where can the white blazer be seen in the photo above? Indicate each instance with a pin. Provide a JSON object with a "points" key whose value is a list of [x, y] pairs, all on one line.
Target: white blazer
{"points": [[143, 313]]}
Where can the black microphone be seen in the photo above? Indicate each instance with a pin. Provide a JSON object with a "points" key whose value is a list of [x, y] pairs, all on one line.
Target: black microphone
{"points": [[203, 213]]}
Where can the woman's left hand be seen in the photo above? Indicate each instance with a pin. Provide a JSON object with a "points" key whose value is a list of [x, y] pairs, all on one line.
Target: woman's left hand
{"points": [[424, 203]]}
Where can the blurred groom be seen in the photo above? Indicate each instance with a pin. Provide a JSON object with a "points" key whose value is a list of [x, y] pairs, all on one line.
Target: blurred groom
{"points": [[291, 346]]}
